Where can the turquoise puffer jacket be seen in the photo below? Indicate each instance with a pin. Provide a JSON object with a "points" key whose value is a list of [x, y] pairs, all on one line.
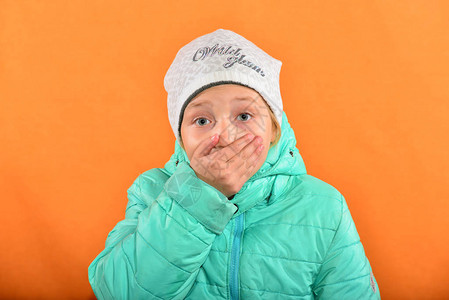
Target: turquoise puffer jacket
{"points": [[284, 235]]}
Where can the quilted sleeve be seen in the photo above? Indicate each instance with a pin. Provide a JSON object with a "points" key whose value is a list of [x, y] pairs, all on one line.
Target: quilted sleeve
{"points": [[157, 250], [346, 272]]}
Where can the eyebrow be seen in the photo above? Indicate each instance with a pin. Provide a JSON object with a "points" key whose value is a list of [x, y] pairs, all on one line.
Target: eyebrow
{"points": [[207, 102]]}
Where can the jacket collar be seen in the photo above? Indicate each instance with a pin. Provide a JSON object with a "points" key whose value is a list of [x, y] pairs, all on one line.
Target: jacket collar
{"points": [[282, 159]]}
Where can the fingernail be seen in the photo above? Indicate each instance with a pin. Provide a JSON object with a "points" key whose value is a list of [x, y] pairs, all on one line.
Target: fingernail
{"points": [[214, 137], [250, 136]]}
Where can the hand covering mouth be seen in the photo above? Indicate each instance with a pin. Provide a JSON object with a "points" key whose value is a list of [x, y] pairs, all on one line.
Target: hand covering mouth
{"points": [[214, 149]]}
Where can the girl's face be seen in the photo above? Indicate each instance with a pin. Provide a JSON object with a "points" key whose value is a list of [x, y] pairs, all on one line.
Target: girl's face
{"points": [[231, 111]]}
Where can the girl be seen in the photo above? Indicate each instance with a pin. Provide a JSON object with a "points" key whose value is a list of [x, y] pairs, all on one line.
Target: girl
{"points": [[233, 214]]}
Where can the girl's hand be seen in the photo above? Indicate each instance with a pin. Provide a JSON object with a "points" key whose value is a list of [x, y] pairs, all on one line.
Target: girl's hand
{"points": [[230, 167]]}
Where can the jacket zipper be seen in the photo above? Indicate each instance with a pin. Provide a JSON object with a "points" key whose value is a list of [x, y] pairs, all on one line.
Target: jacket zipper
{"points": [[235, 258]]}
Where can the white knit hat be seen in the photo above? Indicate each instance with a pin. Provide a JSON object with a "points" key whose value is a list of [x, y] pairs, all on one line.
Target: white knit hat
{"points": [[217, 58]]}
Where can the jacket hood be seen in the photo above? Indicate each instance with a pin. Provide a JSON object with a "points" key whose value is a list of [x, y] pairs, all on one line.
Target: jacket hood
{"points": [[282, 160]]}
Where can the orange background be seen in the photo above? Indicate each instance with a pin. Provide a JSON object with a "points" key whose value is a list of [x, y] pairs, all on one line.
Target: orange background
{"points": [[365, 86]]}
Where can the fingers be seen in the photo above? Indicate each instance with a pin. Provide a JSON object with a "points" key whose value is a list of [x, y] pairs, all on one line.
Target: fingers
{"points": [[253, 158], [206, 146], [249, 154], [230, 167], [233, 149]]}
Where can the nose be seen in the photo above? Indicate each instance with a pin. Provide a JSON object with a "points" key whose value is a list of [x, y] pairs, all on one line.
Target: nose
{"points": [[228, 132]]}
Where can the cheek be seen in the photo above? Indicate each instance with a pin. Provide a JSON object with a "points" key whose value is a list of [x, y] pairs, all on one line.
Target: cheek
{"points": [[191, 142], [261, 129]]}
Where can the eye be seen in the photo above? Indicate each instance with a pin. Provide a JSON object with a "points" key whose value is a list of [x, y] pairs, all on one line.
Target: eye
{"points": [[246, 117], [202, 121]]}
